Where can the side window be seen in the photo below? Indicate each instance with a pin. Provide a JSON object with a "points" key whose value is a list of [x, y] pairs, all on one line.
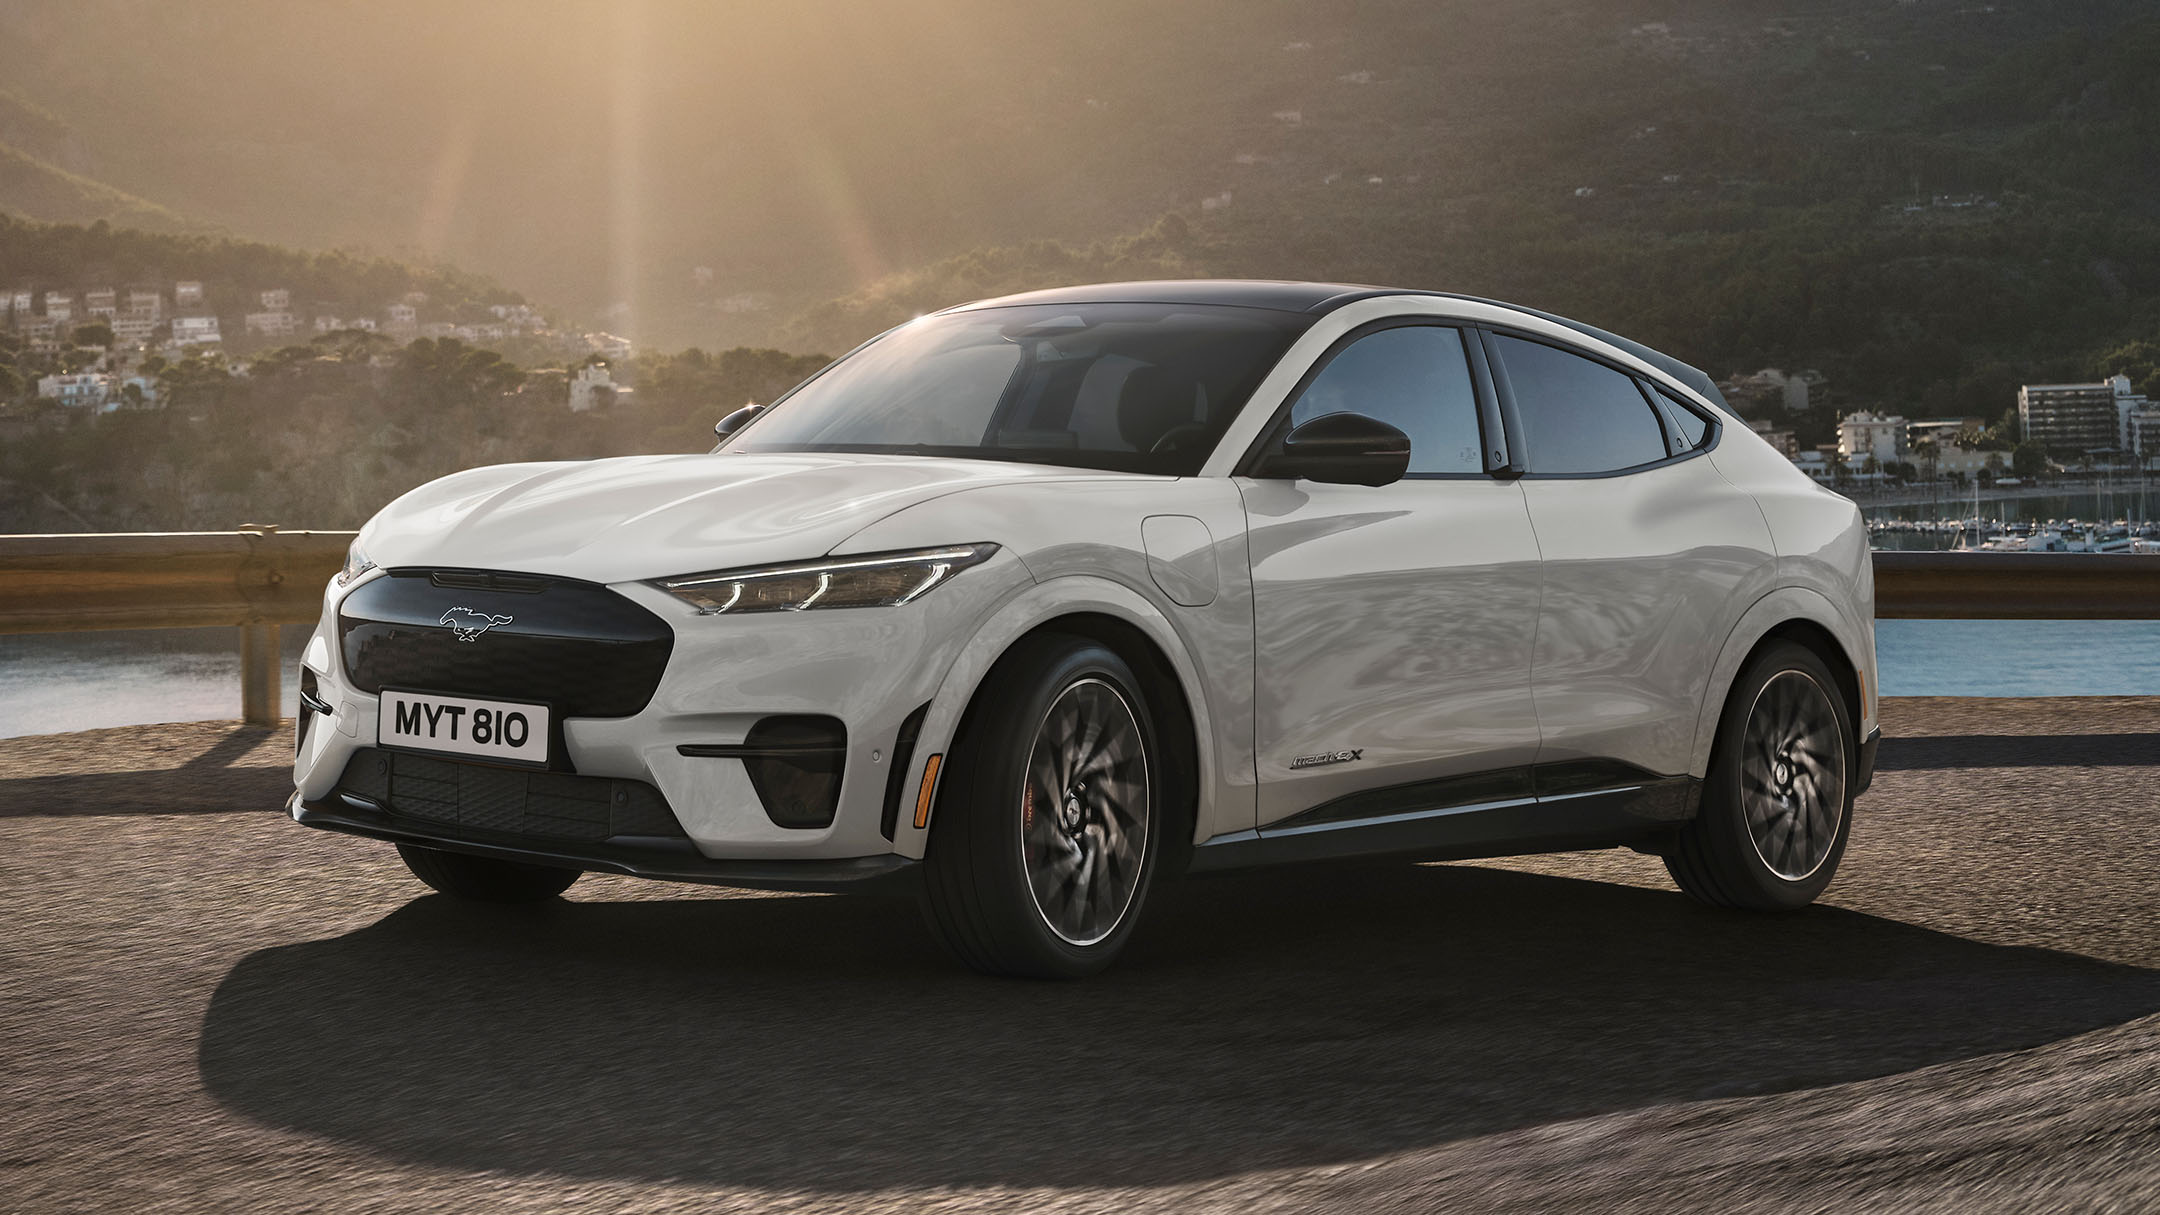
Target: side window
{"points": [[1690, 428], [1415, 378], [1578, 416]]}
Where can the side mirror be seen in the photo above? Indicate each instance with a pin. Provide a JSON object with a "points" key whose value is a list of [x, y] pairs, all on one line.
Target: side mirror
{"points": [[737, 420], [1340, 449]]}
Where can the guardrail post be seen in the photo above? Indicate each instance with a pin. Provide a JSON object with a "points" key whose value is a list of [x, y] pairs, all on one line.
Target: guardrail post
{"points": [[262, 677]]}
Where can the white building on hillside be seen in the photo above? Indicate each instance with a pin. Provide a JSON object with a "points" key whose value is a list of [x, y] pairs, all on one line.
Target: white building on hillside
{"points": [[279, 324], [2141, 434], [84, 389], [608, 346], [1865, 436], [195, 330], [134, 328], [187, 295], [592, 387], [1952, 456]]}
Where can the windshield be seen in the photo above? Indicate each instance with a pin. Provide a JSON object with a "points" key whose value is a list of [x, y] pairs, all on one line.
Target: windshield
{"points": [[1125, 387]]}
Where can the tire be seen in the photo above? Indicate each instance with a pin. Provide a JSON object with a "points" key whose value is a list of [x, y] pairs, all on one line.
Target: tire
{"points": [[1049, 826], [480, 879], [1782, 765]]}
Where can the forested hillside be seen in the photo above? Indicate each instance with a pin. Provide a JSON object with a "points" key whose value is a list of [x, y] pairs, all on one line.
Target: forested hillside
{"points": [[1929, 201], [74, 256], [698, 173], [323, 433]]}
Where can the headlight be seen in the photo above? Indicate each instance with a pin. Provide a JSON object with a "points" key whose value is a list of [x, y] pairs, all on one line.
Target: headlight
{"points": [[356, 564], [874, 580]]}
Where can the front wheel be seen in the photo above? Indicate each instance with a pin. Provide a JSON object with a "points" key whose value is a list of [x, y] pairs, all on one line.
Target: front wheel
{"points": [[1049, 828], [1777, 804], [485, 880]]}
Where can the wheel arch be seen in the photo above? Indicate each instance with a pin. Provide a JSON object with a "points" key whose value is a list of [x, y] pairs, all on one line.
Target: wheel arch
{"points": [[1131, 626], [1168, 704], [1807, 618]]}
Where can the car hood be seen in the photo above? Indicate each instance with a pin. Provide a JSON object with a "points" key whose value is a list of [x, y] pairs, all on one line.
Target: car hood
{"points": [[652, 516]]}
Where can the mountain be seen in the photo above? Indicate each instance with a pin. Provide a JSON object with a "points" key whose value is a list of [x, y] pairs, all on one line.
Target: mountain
{"points": [[42, 174], [1919, 195]]}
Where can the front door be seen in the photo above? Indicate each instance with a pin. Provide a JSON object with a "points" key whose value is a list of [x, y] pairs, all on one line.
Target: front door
{"points": [[1393, 626]]}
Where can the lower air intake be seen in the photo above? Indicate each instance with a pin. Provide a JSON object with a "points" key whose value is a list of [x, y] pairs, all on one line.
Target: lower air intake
{"points": [[485, 801]]}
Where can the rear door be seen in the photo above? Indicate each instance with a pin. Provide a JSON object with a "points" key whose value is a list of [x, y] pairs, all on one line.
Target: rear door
{"points": [[1393, 625], [1650, 557]]}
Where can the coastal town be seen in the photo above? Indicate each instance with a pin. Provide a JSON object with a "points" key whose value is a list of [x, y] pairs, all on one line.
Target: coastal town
{"points": [[100, 348], [82, 352]]}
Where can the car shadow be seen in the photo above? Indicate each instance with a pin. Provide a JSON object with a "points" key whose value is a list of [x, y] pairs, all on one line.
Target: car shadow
{"points": [[1286, 1019]]}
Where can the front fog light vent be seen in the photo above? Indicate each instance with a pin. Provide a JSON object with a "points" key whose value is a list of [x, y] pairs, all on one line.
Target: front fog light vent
{"points": [[794, 764]]}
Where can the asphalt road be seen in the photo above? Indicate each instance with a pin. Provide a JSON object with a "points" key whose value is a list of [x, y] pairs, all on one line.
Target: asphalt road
{"points": [[205, 1007]]}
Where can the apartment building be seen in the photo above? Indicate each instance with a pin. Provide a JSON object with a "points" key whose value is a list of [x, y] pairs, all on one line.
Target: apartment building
{"points": [[2079, 419], [1866, 436], [195, 330], [278, 324]]}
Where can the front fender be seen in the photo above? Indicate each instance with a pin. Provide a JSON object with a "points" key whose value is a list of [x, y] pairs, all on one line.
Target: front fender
{"points": [[1225, 802]]}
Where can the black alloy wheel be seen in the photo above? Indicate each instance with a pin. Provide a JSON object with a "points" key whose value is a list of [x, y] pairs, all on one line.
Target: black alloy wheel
{"points": [[1777, 802], [1049, 825]]}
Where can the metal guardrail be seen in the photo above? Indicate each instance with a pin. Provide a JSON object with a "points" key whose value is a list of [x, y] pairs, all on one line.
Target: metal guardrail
{"points": [[257, 579], [2016, 586]]}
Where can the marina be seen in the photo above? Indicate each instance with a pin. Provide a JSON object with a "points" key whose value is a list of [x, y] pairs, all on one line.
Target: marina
{"points": [[2109, 519]]}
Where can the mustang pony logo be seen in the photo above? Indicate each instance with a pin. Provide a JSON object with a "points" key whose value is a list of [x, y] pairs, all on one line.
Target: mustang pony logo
{"points": [[469, 624]]}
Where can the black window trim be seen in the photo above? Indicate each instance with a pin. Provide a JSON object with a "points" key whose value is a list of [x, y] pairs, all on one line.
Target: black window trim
{"points": [[1662, 399], [1506, 393], [1494, 447]]}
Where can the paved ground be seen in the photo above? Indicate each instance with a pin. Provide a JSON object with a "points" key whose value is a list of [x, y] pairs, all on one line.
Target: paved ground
{"points": [[204, 1007]]}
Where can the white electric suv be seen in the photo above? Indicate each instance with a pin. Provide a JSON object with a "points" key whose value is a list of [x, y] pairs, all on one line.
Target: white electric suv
{"points": [[1035, 603]]}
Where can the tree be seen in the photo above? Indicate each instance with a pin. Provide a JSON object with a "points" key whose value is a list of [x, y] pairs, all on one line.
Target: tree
{"points": [[96, 333], [1928, 452], [2029, 459]]}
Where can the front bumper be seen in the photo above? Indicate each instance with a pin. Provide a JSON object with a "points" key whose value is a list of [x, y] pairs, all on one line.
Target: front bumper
{"points": [[871, 669], [675, 860]]}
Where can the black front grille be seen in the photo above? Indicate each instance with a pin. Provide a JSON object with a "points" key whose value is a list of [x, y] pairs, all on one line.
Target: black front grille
{"points": [[578, 646], [482, 801]]}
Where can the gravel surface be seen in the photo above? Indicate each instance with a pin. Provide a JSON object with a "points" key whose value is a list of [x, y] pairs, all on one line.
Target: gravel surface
{"points": [[205, 1007]]}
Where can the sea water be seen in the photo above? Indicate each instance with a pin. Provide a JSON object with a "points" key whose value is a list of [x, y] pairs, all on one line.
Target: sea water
{"points": [[53, 683]]}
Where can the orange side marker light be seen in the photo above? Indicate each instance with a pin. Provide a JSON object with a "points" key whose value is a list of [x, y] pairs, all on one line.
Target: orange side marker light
{"points": [[929, 786]]}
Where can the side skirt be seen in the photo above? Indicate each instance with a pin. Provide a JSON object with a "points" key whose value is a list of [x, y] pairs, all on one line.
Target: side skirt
{"points": [[1538, 822]]}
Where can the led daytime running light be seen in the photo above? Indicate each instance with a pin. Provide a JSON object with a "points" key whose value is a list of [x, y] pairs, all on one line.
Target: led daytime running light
{"points": [[882, 580]]}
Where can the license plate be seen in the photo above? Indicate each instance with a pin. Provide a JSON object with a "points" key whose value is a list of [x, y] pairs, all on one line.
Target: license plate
{"points": [[456, 725]]}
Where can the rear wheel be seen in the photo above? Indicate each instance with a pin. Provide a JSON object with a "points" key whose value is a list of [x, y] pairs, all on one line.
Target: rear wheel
{"points": [[1048, 831], [1777, 805], [485, 880]]}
